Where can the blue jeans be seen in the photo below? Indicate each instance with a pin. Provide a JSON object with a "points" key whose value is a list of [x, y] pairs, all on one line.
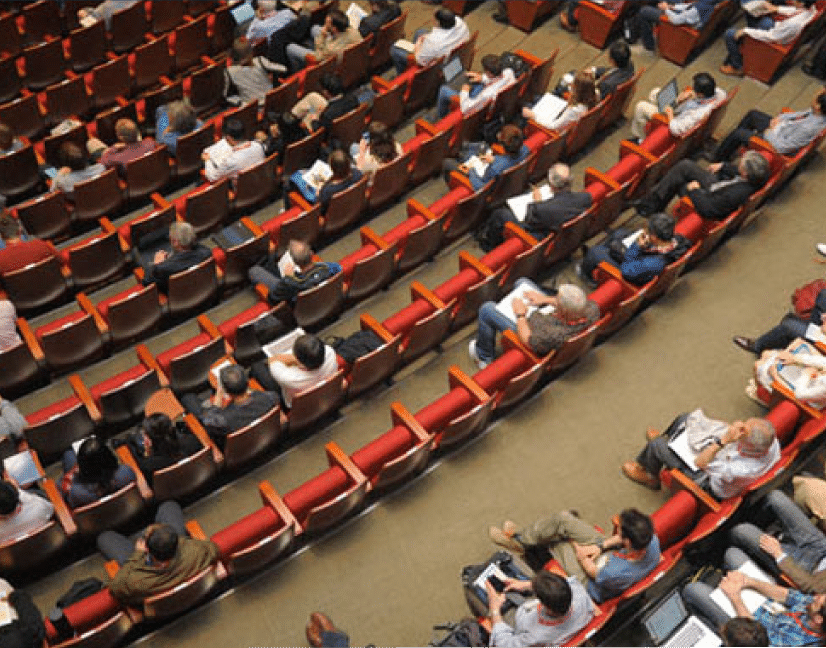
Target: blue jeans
{"points": [[446, 93], [782, 335], [491, 322], [697, 596], [399, 56], [734, 58], [646, 19]]}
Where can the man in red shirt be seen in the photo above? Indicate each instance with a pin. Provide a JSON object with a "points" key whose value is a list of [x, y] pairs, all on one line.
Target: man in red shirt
{"points": [[130, 146], [19, 253]]}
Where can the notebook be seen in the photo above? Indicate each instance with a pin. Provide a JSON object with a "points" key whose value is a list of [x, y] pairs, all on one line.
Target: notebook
{"points": [[22, 468], [519, 204], [284, 344], [751, 598], [670, 625], [667, 96], [242, 13], [505, 305], [549, 107], [232, 236], [453, 72]]}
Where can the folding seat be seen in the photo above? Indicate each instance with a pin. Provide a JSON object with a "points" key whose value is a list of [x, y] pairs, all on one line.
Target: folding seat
{"points": [[46, 217], [523, 14], [422, 242], [71, 341], [598, 21], [244, 445], [485, 287], [166, 16], [388, 34], [428, 331], [67, 99], [619, 101], [187, 365], [302, 154], [37, 285], [296, 223], [388, 104], [254, 186], [128, 27], [312, 75], [206, 89], [423, 87], [763, 60], [159, 96], [44, 64], [239, 259], [191, 42], [511, 182], [318, 304], [110, 81], [329, 497], [19, 174], [30, 551], [355, 62], [378, 365], [133, 230], [54, 428], [105, 121], [349, 128], [282, 97], [24, 117], [101, 196], [575, 347], [506, 102], [132, 314], [344, 209], [223, 29], [526, 262], [21, 368], [10, 81], [188, 151], [10, 37], [147, 174], [122, 397], [631, 298], [207, 207], [389, 182], [88, 46], [429, 157], [570, 236], [41, 20], [678, 42], [465, 214], [470, 422], [192, 289], [51, 143], [153, 62], [97, 621], [373, 272], [583, 130], [246, 114], [519, 385], [316, 402], [95, 261], [607, 206]]}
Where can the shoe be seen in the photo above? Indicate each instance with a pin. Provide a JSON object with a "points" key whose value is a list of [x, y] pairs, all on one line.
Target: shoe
{"points": [[638, 474], [652, 433], [504, 540], [809, 69], [319, 622], [731, 70], [501, 18], [644, 207], [471, 349], [821, 247], [633, 140], [747, 344], [566, 23]]}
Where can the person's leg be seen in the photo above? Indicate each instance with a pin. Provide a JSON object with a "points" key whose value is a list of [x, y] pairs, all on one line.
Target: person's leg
{"points": [[260, 371], [752, 123], [734, 558], [782, 335], [399, 58], [297, 56], [592, 259], [115, 546], [170, 513], [311, 102], [675, 179], [193, 404], [733, 57], [491, 322], [646, 18], [643, 112], [493, 229], [657, 454], [446, 94], [555, 533], [803, 541], [257, 275], [746, 536], [697, 598]]}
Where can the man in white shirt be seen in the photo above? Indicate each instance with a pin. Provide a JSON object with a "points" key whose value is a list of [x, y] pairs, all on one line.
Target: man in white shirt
{"points": [[21, 512], [783, 31], [242, 154], [482, 90], [450, 32]]}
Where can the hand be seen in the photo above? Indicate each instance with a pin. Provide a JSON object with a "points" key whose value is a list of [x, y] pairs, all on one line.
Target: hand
{"points": [[774, 122], [474, 77], [536, 194], [663, 6], [643, 240], [466, 89], [140, 544], [516, 585], [585, 552], [735, 431], [527, 113], [289, 269], [495, 599], [534, 297], [82, 13], [463, 168], [519, 307], [691, 186], [714, 168], [770, 545], [669, 113], [738, 35], [733, 583], [486, 157], [160, 256]]}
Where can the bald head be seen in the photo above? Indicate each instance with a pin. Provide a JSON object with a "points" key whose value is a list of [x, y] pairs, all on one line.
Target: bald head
{"points": [[301, 253], [571, 301], [559, 177]]}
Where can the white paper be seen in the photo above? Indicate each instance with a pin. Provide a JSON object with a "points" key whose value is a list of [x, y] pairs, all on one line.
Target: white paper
{"points": [[751, 599], [795, 376], [757, 8], [549, 107], [505, 306], [406, 45], [628, 241], [815, 334], [219, 151], [519, 204], [22, 468], [317, 174], [679, 445], [76, 445], [355, 14], [286, 264], [283, 344], [477, 164], [7, 613], [491, 570]]}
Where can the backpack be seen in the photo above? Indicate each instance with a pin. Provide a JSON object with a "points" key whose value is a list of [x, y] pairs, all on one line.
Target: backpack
{"points": [[356, 345], [467, 632], [803, 299]]}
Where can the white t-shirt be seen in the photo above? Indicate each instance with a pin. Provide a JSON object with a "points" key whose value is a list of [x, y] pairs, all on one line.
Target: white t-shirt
{"points": [[296, 379]]}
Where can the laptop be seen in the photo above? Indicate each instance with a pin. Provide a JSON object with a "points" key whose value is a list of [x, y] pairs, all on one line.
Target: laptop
{"points": [[671, 626], [242, 13], [232, 236], [667, 96], [454, 73]]}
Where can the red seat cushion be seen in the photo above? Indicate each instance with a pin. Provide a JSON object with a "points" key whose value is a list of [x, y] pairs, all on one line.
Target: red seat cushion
{"points": [[627, 168], [607, 295], [165, 359], [371, 458], [674, 519], [58, 324], [103, 307], [317, 491], [403, 321], [691, 226], [504, 254], [272, 226], [449, 200], [658, 140], [443, 410], [457, 285], [349, 262], [230, 326], [783, 417], [114, 382], [400, 232], [43, 415], [499, 373], [247, 531]]}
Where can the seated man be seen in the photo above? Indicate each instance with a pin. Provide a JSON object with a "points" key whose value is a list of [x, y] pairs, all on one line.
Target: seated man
{"points": [[694, 14], [715, 193], [18, 253], [482, 89], [328, 40], [247, 77], [74, 168], [543, 216], [512, 142], [783, 32], [746, 451], [186, 253], [799, 622], [163, 557], [573, 312], [560, 610], [801, 553], [693, 106], [606, 566], [301, 273], [243, 153], [381, 13], [233, 406], [645, 258], [449, 32], [269, 19], [288, 374], [318, 110], [21, 512], [25, 628], [130, 146], [788, 132]]}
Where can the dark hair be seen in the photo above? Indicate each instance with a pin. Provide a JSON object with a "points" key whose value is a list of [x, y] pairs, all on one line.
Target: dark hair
{"points": [[96, 462], [332, 83], [382, 144], [584, 90], [288, 125], [381, 5], [620, 53], [241, 51], [821, 101], [553, 591], [744, 631], [446, 18], [636, 527], [71, 156], [162, 543], [704, 84], [9, 226], [340, 164], [309, 351], [234, 379], [339, 20], [158, 427], [234, 128], [512, 140], [492, 64], [661, 225], [6, 136], [9, 497]]}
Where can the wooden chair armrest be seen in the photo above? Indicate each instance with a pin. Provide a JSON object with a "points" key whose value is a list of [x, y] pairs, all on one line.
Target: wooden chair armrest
{"points": [[165, 80], [534, 126], [262, 291], [467, 260], [82, 392], [198, 430], [146, 357], [614, 273], [271, 498], [127, 459], [512, 230], [252, 226], [369, 236], [87, 306], [208, 327], [788, 394], [458, 378], [510, 340], [139, 274], [159, 201], [595, 175], [106, 225], [682, 482], [457, 179], [195, 530], [627, 147], [337, 457], [527, 56], [29, 338], [112, 568], [402, 416], [371, 323], [659, 118], [759, 144], [61, 511], [420, 291], [415, 208], [423, 126], [299, 200], [37, 464], [380, 85], [683, 208]]}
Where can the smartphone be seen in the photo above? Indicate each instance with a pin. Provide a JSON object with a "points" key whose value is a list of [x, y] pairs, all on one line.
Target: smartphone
{"points": [[497, 583]]}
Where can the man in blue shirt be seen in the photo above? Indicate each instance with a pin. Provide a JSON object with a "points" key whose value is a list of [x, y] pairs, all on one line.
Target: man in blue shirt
{"points": [[269, 20], [512, 142]]}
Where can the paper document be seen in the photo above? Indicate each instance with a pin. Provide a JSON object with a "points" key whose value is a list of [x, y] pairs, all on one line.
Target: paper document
{"points": [[796, 376], [549, 107], [758, 8], [284, 344], [406, 45], [628, 241], [751, 599], [815, 334], [317, 174], [679, 445], [355, 14], [505, 306], [478, 164], [519, 204], [286, 265], [22, 468], [492, 569]]}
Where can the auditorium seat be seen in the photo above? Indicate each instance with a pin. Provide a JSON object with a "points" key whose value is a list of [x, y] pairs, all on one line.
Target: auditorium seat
{"points": [[19, 174], [378, 365], [471, 421], [429, 157], [188, 160], [387, 34], [191, 43], [88, 46], [388, 104], [128, 27], [24, 117], [372, 272], [599, 20], [46, 216], [678, 42], [320, 303], [250, 442], [344, 209], [37, 285], [349, 128], [131, 314], [315, 403], [110, 80], [354, 64], [44, 64]]}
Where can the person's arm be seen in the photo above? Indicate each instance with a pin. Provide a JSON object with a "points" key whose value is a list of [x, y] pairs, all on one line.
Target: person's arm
{"points": [[707, 455], [122, 585], [523, 330], [502, 635], [806, 581], [586, 556], [638, 268], [732, 586]]}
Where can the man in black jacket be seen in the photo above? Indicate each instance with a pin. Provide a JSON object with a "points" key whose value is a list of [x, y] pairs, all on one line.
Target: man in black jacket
{"points": [[296, 274], [790, 327], [381, 13], [186, 253], [715, 192], [27, 630]]}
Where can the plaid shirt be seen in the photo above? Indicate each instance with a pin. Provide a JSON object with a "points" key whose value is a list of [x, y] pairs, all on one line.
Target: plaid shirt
{"points": [[788, 628]]}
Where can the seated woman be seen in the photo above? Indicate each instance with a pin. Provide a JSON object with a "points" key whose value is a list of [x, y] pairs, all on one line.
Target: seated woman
{"points": [[159, 444], [583, 97], [512, 142], [173, 120], [74, 168], [320, 191], [279, 131], [92, 473], [8, 325], [376, 149], [809, 387]]}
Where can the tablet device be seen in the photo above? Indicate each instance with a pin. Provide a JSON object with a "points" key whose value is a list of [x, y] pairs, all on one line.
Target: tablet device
{"points": [[667, 96]]}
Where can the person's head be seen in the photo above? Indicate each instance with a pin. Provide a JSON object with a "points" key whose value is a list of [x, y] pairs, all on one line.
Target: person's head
{"points": [[559, 177], [9, 227], [265, 8], [571, 301], [744, 631], [635, 528], [818, 105], [620, 54], [338, 20], [755, 168], [70, 155], [301, 253], [181, 235], [339, 163], [553, 592], [331, 84], [289, 126], [6, 137], [96, 462], [804, 3], [9, 498], [241, 51], [162, 543], [182, 116], [309, 351], [511, 138], [161, 434], [758, 438], [127, 131], [584, 90], [661, 227], [377, 6], [445, 18], [492, 65], [234, 379], [382, 144], [233, 130], [704, 85]]}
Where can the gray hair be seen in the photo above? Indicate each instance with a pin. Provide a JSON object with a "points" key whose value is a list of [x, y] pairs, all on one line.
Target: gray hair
{"points": [[760, 436], [571, 300], [559, 176], [183, 234], [267, 6], [756, 168]]}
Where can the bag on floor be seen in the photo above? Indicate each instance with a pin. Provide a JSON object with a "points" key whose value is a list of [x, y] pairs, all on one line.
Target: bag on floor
{"points": [[467, 632], [803, 299]]}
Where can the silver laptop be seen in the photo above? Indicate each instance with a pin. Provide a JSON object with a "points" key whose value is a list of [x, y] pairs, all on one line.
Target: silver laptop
{"points": [[671, 626], [667, 96]]}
